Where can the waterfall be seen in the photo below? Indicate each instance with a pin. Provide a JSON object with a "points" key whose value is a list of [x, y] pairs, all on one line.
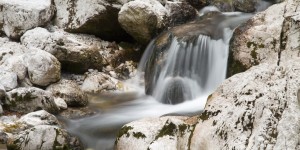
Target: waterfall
{"points": [[190, 67], [187, 67]]}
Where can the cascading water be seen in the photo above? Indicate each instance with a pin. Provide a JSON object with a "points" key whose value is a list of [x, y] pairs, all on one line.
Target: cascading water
{"points": [[191, 69], [189, 66]]}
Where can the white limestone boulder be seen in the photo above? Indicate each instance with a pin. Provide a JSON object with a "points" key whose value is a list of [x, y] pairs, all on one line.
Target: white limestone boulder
{"points": [[143, 19], [156, 133], [26, 100], [40, 117], [44, 137], [17, 16], [43, 68], [76, 52]]}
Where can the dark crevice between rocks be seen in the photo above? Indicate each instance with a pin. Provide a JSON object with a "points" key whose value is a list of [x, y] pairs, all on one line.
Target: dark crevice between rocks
{"points": [[283, 36]]}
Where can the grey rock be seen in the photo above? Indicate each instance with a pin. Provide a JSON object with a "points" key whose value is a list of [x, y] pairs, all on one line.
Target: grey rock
{"points": [[26, 100], [17, 16], [70, 92]]}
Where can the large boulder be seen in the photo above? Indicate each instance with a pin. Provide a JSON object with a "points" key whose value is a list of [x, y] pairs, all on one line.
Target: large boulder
{"points": [[267, 37], [77, 53], [155, 133], [17, 16], [259, 112], [44, 137], [70, 92], [26, 100], [97, 17], [43, 68], [143, 19]]}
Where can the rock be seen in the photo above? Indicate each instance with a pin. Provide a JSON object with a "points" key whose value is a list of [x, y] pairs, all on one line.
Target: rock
{"points": [[17, 16], [36, 118], [43, 137], [274, 31], [9, 124], [143, 19], [61, 103], [26, 100], [99, 82], [2, 92], [70, 92], [100, 19], [258, 112], [126, 70], [77, 113], [15, 64], [9, 49], [180, 12], [77, 53], [43, 68], [8, 79], [235, 5], [261, 111], [198, 4], [155, 133]]}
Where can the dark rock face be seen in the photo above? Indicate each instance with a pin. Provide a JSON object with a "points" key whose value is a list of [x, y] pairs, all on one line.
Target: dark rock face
{"points": [[98, 18], [198, 4], [180, 12], [176, 92]]}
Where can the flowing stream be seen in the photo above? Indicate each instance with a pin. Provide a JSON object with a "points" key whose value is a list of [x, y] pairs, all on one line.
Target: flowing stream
{"points": [[192, 69]]}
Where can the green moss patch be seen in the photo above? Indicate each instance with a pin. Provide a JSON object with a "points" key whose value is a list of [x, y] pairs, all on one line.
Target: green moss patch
{"points": [[168, 129], [139, 135]]}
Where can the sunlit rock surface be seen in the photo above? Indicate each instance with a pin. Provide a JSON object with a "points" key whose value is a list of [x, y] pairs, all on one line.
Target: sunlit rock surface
{"points": [[43, 137], [155, 133], [270, 36], [43, 68], [18, 16], [142, 19]]}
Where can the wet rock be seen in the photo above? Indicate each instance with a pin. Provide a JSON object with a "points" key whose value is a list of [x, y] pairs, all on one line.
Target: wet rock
{"points": [[26, 100], [155, 133], [180, 12], [43, 68], [61, 103], [97, 82], [143, 19], [76, 52], [43, 137], [198, 4], [17, 16], [77, 113], [70, 92], [100, 19], [8, 80]]}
